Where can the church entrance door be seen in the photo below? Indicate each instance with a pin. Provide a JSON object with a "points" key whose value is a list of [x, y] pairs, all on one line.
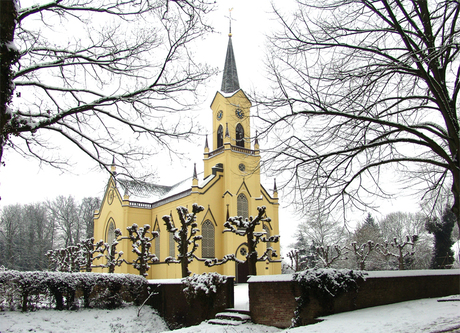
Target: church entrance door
{"points": [[242, 270]]}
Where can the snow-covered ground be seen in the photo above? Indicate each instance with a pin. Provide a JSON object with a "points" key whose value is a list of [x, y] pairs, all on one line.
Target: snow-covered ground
{"points": [[426, 315]]}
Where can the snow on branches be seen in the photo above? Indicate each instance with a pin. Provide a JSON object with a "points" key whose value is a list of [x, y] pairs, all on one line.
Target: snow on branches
{"points": [[246, 227], [141, 246], [183, 237], [387, 248]]}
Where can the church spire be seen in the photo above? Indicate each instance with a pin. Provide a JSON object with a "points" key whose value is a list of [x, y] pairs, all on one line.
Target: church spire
{"points": [[230, 78]]}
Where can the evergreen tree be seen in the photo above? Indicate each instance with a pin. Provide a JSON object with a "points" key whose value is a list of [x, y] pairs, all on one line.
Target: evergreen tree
{"points": [[443, 256]]}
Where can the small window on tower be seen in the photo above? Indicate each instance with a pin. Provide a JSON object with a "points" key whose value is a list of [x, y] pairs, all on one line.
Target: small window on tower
{"points": [[220, 136], [239, 136]]}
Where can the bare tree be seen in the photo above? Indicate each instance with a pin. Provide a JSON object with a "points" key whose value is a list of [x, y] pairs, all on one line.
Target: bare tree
{"points": [[87, 208], [63, 211], [10, 230], [365, 88], [185, 237], [38, 232], [99, 75]]}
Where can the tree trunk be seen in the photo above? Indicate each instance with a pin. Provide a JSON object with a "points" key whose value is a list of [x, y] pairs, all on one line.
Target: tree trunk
{"points": [[8, 15], [252, 254]]}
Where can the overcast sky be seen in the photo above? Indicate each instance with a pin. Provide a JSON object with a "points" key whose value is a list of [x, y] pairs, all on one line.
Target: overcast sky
{"points": [[25, 181]]}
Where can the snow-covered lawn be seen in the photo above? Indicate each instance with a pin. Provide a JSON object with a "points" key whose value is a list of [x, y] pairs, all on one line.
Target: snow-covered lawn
{"points": [[426, 315], [121, 320]]}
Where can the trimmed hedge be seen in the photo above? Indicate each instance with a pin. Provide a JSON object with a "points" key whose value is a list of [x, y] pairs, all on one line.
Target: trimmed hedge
{"points": [[33, 290]]}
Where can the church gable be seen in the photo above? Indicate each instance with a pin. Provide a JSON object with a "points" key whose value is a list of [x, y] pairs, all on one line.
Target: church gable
{"points": [[209, 216], [244, 187], [111, 195]]}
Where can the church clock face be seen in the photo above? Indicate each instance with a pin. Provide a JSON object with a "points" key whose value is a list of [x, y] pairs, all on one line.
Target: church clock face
{"points": [[239, 113], [220, 115], [242, 167]]}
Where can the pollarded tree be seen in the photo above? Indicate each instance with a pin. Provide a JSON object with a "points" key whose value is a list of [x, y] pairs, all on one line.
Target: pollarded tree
{"points": [[397, 226], [321, 238], [399, 249], [365, 88], [363, 243], [141, 247], [246, 227], [111, 254], [88, 73], [185, 237]]}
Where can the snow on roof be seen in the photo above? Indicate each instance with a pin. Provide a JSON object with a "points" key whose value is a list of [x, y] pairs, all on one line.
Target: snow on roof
{"points": [[228, 94], [151, 193]]}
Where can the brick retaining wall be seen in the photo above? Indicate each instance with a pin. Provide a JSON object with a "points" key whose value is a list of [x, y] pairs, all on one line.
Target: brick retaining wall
{"points": [[172, 305], [272, 298]]}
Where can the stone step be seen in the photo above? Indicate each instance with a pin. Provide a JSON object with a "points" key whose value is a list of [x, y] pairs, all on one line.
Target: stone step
{"points": [[246, 312], [224, 322], [233, 316]]}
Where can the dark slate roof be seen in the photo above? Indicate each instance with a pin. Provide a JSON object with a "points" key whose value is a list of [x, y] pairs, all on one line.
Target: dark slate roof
{"points": [[230, 78], [142, 190]]}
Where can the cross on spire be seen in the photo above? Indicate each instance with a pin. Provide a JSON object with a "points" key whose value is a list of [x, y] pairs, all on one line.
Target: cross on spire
{"points": [[230, 21]]}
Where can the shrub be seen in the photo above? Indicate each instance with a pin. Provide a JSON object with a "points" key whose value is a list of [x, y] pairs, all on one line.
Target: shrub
{"points": [[30, 290], [324, 285]]}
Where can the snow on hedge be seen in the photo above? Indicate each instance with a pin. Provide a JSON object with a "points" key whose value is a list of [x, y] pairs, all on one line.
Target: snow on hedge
{"points": [[204, 284], [31, 290]]}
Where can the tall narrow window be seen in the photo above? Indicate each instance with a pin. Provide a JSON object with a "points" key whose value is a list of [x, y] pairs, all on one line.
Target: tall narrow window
{"points": [[267, 235], [157, 244], [239, 136], [208, 241], [110, 232], [220, 136], [242, 206], [172, 245]]}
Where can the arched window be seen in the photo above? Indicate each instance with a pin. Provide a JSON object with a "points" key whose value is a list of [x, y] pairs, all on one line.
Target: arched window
{"points": [[110, 232], [172, 245], [157, 244], [242, 206], [239, 136], [267, 235], [208, 241], [220, 136]]}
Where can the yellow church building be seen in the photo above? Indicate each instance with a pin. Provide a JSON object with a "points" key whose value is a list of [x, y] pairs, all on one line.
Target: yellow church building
{"points": [[230, 186]]}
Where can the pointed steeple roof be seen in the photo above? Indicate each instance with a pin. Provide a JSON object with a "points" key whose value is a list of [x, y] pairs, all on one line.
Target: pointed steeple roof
{"points": [[195, 176], [230, 78]]}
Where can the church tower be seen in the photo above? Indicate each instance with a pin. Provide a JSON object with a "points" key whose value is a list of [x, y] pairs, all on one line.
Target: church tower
{"points": [[231, 129]]}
